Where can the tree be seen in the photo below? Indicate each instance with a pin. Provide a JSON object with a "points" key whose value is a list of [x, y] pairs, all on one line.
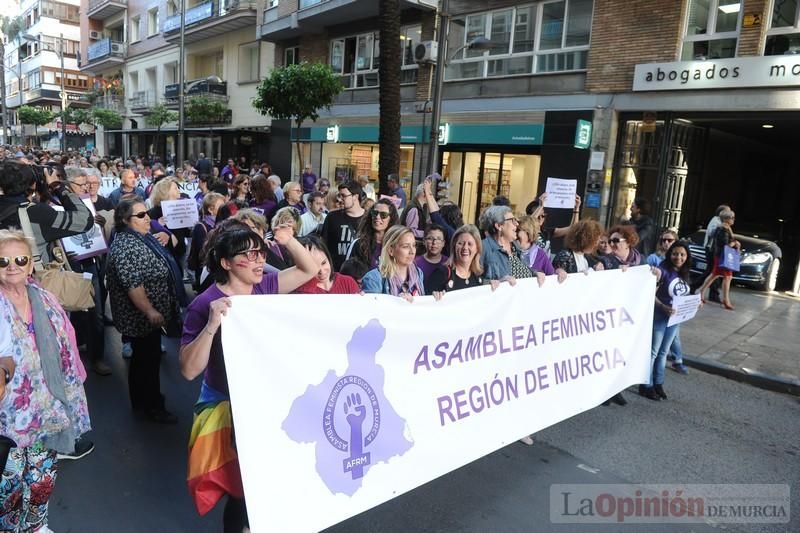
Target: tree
{"points": [[297, 92], [75, 116], [12, 26], [35, 116], [204, 110], [107, 118], [389, 100], [157, 116]]}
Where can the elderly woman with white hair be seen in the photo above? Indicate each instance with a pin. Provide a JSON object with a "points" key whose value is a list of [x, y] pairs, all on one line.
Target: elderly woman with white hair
{"points": [[501, 257], [723, 236]]}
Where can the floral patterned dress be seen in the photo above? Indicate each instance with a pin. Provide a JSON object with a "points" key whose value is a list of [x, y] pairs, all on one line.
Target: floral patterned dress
{"points": [[29, 412]]}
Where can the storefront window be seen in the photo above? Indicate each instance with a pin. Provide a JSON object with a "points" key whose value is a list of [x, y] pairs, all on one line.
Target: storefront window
{"points": [[712, 29], [784, 33]]}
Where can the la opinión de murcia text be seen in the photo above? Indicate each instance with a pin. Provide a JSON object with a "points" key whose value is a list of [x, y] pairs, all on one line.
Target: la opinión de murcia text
{"points": [[501, 389]]}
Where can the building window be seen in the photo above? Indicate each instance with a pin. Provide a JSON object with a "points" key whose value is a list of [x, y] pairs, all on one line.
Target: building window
{"points": [[272, 3], [249, 59], [409, 38], [152, 22], [357, 58], [712, 29], [528, 39], [56, 10], [134, 29], [291, 56], [783, 37]]}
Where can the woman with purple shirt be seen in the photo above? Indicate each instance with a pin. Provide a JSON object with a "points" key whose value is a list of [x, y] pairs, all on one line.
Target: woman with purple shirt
{"points": [[264, 200], [367, 245], [236, 260], [536, 258], [433, 256]]}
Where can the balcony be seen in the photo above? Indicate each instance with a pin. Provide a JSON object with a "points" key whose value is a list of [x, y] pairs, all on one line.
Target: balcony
{"points": [[113, 102], [313, 16], [141, 100], [104, 54], [103, 9], [202, 87], [210, 19]]}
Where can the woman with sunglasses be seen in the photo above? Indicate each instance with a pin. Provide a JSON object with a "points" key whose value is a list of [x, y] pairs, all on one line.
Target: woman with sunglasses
{"points": [[42, 401], [241, 188], [623, 239], [396, 274], [146, 290], [367, 245], [236, 260]]}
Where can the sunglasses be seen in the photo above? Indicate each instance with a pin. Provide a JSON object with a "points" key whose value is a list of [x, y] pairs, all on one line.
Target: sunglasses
{"points": [[616, 240], [139, 215], [667, 240], [20, 261], [253, 254], [383, 214]]}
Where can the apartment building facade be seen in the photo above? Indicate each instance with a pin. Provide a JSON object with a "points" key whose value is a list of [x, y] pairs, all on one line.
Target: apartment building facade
{"points": [[33, 71], [689, 103], [135, 44]]}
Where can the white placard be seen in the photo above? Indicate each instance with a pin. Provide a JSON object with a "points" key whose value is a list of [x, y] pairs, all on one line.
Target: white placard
{"points": [[107, 185], [685, 308], [560, 193], [394, 394], [88, 244], [597, 160], [180, 213], [733, 73]]}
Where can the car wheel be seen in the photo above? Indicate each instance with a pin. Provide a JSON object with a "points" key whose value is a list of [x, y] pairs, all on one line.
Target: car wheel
{"points": [[771, 279]]}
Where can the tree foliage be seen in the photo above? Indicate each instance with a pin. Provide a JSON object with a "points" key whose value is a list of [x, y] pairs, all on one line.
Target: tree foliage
{"points": [[76, 116], [159, 115], [204, 110], [12, 26], [297, 92], [35, 116], [107, 118]]}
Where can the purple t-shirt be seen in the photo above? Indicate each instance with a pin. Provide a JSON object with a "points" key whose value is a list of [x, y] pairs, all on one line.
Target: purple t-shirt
{"points": [[197, 318], [426, 266], [669, 286]]}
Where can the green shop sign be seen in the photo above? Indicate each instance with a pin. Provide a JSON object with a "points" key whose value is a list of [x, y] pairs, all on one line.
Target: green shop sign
{"points": [[583, 134], [506, 134]]}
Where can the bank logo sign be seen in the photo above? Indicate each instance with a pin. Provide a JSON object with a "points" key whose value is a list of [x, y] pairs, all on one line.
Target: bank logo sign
{"points": [[734, 73]]}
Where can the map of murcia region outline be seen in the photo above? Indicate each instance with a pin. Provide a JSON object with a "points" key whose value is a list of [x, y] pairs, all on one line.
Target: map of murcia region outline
{"points": [[348, 418]]}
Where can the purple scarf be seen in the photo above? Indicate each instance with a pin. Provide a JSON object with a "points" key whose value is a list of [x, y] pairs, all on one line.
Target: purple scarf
{"points": [[412, 284]]}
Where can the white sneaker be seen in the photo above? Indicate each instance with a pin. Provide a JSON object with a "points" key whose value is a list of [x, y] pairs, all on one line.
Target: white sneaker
{"points": [[127, 350], [527, 440]]}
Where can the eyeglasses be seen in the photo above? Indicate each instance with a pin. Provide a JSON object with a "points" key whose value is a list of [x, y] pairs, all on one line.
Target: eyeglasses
{"points": [[374, 213], [667, 240], [20, 261], [616, 240], [513, 220], [92, 184], [141, 214], [84, 184], [341, 196], [434, 239], [253, 254]]}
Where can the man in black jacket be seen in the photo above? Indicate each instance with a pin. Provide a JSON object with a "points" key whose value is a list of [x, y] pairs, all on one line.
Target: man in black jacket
{"points": [[645, 226]]}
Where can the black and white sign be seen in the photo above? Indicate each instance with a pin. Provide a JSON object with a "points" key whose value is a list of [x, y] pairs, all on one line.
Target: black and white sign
{"points": [[734, 73]]}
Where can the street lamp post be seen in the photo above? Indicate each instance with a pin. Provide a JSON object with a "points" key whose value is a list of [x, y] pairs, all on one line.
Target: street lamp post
{"points": [[63, 95], [478, 43], [181, 53]]}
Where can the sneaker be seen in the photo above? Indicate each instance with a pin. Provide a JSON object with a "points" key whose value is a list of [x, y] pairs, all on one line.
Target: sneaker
{"points": [[101, 368], [680, 368], [83, 448], [527, 440], [127, 350], [670, 357]]}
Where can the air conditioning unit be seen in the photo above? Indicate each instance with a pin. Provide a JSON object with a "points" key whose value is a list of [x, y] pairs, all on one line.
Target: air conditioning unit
{"points": [[117, 48], [426, 52], [95, 35]]}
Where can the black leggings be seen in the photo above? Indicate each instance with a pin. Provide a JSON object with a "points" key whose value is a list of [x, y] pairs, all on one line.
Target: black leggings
{"points": [[144, 373], [234, 517]]}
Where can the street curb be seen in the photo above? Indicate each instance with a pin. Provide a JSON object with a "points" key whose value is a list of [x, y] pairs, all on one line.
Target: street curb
{"points": [[751, 377]]}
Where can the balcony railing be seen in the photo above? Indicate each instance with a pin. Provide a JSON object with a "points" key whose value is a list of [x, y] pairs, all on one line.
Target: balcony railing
{"points": [[105, 48], [205, 11], [116, 103], [102, 9], [202, 87], [142, 99]]}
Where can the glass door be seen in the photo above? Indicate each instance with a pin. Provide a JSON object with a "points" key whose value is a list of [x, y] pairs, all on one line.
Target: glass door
{"points": [[493, 178]]}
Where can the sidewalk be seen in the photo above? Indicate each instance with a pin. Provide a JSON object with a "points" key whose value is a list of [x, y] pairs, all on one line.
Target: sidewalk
{"points": [[758, 343]]}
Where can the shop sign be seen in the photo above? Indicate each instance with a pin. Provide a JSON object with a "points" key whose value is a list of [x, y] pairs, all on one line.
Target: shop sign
{"points": [[332, 134], [516, 134], [583, 134], [444, 133], [734, 73]]}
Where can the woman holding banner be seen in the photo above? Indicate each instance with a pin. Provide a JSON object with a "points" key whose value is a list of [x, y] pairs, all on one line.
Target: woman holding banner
{"points": [[396, 274], [236, 260], [673, 281]]}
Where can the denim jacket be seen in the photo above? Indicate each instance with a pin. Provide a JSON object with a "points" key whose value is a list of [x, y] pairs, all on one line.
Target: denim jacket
{"points": [[496, 262]]}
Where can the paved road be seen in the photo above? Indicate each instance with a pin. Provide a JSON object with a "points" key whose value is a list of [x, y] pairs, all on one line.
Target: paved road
{"points": [[710, 431]]}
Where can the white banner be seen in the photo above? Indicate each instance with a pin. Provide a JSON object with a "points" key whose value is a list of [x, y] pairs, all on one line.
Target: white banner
{"points": [[732, 73], [336, 416], [180, 213], [107, 185]]}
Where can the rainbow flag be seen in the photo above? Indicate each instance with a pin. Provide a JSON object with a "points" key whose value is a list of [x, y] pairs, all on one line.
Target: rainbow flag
{"points": [[213, 462]]}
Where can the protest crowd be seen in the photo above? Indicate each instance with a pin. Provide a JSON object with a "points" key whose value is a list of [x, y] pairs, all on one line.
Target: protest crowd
{"points": [[253, 234]]}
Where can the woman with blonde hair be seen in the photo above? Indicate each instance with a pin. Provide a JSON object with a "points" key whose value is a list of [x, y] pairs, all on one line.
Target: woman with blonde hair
{"points": [[527, 235], [278, 256], [173, 240], [396, 273]]}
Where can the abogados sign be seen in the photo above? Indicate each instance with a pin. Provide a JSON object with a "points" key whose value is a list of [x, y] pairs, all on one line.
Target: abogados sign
{"points": [[734, 73]]}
